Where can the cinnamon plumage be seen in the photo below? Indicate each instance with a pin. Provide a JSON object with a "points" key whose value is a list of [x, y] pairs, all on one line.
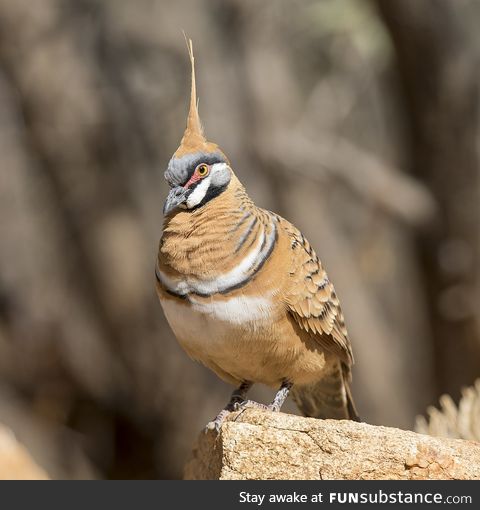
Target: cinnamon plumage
{"points": [[244, 291]]}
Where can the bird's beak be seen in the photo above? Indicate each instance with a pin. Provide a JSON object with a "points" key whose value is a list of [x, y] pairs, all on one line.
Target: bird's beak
{"points": [[175, 198]]}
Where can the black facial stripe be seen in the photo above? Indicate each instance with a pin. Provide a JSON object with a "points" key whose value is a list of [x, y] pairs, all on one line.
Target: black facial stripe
{"points": [[179, 170], [208, 159], [212, 192]]}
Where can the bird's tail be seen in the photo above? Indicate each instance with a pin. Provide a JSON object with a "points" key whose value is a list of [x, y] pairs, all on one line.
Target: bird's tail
{"points": [[330, 397]]}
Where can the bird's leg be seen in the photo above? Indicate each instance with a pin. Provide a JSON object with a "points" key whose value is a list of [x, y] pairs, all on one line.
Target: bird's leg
{"points": [[280, 396], [238, 396], [276, 404]]}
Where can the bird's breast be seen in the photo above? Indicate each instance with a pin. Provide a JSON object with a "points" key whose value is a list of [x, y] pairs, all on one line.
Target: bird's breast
{"points": [[187, 317], [243, 338], [216, 266], [222, 334]]}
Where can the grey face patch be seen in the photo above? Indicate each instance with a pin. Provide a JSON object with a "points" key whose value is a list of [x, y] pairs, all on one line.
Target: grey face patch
{"points": [[179, 170]]}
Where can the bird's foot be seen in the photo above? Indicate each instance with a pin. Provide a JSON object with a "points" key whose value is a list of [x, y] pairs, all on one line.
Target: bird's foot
{"points": [[274, 408], [237, 403], [216, 424], [251, 404], [237, 396]]}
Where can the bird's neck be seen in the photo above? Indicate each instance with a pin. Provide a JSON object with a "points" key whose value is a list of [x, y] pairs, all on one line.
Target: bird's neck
{"points": [[203, 241]]}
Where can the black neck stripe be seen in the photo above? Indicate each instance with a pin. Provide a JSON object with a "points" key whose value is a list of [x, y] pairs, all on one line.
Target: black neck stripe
{"points": [[260, 264], [245, 236]]}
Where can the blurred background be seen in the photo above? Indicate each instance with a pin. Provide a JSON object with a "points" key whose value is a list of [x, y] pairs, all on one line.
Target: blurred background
{"points": [[357, 120]]}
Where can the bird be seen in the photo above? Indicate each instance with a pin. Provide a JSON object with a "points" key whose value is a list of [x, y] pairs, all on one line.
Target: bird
{"points": [[244, 291]]}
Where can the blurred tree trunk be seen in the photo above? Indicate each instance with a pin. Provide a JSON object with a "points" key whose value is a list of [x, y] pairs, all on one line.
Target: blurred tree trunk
{"points": [[78, 311], [93, 97], [438, 69]]}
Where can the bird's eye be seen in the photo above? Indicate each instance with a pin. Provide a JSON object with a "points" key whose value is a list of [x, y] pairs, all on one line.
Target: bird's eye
{"points": [[202, 170]]}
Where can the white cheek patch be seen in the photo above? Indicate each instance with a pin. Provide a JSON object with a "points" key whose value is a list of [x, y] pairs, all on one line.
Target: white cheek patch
{"points": [[218, 167], [201, 190], [198, 194]]}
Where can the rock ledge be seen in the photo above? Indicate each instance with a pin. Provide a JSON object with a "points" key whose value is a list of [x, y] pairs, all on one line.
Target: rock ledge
{"points": [[275, 446]]}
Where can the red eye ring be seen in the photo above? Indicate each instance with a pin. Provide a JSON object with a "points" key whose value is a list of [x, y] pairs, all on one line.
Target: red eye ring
{"points": [[202, 170]]}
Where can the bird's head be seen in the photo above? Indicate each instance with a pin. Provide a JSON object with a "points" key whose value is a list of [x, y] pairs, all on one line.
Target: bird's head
{"points": [[198, 171]]}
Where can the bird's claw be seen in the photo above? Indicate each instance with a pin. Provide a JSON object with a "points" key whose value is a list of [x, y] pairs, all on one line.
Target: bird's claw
{"points": [[250, 404], [213, 425], [216, 424]]}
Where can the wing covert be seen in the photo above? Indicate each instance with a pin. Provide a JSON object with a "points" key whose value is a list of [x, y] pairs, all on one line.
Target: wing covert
{"points": [[312, 300]]}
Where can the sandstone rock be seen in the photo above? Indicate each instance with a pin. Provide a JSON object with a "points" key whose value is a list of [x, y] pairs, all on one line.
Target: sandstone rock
{"points": [[263, 445]]}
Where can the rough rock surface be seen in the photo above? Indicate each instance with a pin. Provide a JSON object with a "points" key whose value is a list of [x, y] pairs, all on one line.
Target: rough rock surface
{"points": [[15, 461], [263, 445]]}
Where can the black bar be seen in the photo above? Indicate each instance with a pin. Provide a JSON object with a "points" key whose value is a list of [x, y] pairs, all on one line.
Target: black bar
{"points": [[227, 495]]}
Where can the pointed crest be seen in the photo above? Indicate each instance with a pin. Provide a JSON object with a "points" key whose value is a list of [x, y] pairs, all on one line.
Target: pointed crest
{"points": [[193, 139]]}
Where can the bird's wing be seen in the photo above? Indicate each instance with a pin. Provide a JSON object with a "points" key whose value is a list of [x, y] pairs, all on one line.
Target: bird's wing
{"points": [[312, 300]]}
